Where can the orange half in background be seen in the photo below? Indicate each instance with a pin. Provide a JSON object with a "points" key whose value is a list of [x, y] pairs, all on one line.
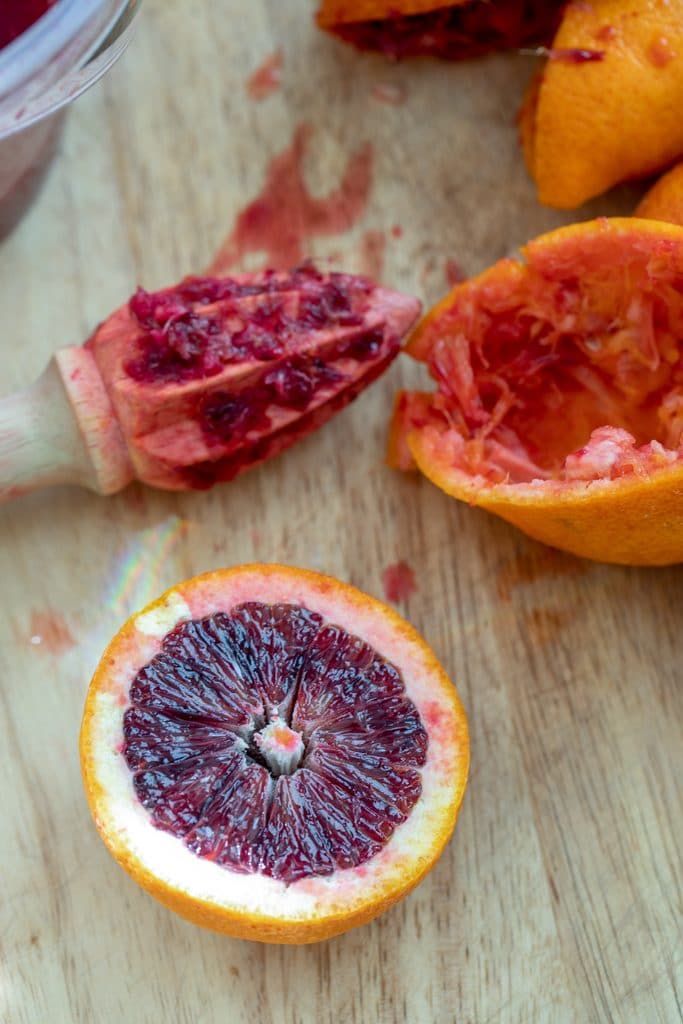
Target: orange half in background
{"points": [[455, 30], [664, 201], [608, 105], [559, 400]]}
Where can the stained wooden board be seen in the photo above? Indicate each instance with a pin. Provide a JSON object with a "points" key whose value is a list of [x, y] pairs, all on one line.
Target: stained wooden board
{"points": [[559, 898]]}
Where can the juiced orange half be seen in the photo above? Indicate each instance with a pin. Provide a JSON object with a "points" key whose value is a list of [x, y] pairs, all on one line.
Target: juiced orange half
{"points": [[559, 392]]}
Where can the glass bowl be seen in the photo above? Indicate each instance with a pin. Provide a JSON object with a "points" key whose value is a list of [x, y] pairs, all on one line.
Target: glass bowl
{"points": [[41, 73]]}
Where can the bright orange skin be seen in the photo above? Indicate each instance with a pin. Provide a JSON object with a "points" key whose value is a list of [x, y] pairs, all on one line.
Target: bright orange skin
{"points": [[342, 12], [254, 926], [595, 124], [664, 201], [631, 520]]}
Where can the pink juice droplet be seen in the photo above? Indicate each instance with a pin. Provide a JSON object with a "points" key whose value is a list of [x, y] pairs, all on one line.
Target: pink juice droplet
{"points": [[267, 78], [399, 582]]}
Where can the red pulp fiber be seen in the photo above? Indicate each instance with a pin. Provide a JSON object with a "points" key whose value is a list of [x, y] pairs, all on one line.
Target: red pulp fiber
{"points": [[195, 329], [574, 372], [453, 33], [191, 731]]}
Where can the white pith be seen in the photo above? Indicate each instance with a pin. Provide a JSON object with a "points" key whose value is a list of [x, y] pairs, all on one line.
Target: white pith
{"points": [[123, 819]]}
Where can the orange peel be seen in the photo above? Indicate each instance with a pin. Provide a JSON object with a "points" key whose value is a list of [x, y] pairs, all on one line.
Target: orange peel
{"points": [[340, 12], [664, 201], [588, 124]]}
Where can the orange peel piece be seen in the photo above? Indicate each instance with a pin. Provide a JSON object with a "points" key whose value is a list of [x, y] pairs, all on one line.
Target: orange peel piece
{"points": [[342, 12], [588, 124], [664, 201], [559, 401]]}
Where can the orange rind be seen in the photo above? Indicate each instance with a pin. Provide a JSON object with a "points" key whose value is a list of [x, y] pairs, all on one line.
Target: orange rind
{"points": [[607, 106], [664, 201]]}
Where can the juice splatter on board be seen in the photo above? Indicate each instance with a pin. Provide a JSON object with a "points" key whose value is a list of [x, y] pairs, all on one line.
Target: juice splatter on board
{"points": [[454, 273], [529, 566], [284, 216], [399, 582], [373, 244], [49, 632], [543, 624], [267, 78], [389, 93]]}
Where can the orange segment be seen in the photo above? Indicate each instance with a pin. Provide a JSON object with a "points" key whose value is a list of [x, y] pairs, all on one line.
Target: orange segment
{"points": [[273, 754], [664, 201], [559, 402], [594, 123]]}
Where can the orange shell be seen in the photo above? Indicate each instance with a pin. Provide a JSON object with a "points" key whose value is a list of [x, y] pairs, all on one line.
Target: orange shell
{"points": [[341, 12], [311, 909], [664, 201], [589, 125], [631, 520]]}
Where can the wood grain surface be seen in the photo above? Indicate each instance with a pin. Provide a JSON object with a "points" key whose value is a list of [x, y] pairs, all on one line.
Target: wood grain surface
{"points": [[559, 898]]}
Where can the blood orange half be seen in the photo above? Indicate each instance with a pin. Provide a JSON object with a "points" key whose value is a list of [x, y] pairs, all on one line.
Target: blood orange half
{"points": [[559, 401], [273, 754]]}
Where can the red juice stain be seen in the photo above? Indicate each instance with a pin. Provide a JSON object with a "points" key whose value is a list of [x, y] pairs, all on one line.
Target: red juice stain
{"points": [[49, 632], [660, 53], [543, 624], [454, 273], [267, 78], [529, 566], [18, 15], [373, 244], [285, 215], [399, 582], [389, 93], [397, 231]]}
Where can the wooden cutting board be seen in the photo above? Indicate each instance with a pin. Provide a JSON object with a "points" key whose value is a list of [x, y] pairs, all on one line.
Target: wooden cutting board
{"points": [[559, 897]]}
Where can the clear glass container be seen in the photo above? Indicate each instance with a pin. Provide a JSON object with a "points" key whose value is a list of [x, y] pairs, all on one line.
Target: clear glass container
{"points": [[41, 73]]}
